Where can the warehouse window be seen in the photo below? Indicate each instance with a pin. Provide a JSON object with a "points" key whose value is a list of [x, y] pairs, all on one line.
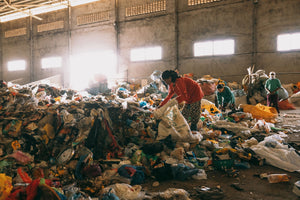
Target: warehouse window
{"points": [[288, 42], [84, 67], [15, 32], [93, 17], [51, 62], [214, 47], [80, 2], [143, 54], [199, 2], [146, 8], [16, 65], [50, 26]]}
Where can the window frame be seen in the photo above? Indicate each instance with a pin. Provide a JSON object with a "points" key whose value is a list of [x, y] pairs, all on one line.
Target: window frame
{"points": [[145, 53], [290, 42], [16, 68], [213, 47], [52, 67]]}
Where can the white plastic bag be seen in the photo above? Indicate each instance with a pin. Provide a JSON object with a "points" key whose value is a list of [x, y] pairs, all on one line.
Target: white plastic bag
{"points": [[277, 154], [263, 125], [200, 175], [126, 191], [283, 94], [173, 193], [173, 123], [295, 99]]}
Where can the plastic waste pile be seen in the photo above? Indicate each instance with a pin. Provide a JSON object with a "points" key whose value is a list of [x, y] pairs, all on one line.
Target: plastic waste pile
{"points": [[61, 144]]}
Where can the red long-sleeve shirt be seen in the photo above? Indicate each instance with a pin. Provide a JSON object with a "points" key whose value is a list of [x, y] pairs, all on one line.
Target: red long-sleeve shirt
{"points": [[186, 89]]}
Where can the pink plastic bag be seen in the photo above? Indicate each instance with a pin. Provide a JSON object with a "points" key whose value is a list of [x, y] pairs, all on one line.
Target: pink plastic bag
{"points": [[21, 157]]}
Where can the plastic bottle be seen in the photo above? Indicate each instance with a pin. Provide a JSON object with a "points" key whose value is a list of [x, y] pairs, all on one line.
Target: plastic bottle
{"points": [[277, 178]]}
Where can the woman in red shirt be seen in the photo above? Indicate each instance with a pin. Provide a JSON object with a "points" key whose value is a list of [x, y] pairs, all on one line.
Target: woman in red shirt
{"points": [[188, 92]]}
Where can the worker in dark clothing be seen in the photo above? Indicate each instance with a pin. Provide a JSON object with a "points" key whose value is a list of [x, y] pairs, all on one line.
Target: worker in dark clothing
{"points": [[98, 84], [188, 93], [3, 84], [272, 86], [225, 98]]}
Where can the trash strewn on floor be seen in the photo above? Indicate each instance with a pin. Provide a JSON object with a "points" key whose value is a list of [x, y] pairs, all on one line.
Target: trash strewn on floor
{"points": [[63, 144]]}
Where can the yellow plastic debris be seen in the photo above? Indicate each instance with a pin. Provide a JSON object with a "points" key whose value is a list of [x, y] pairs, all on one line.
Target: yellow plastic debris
{"points": [[5, 186]]}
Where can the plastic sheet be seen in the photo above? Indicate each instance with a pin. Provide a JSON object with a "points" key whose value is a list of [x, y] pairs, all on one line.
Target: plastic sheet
{"points": [[277, 154], [260, 111]]}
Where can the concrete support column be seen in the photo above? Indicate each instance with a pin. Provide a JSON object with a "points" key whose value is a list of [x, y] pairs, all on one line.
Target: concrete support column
{"points": [[1, 54], [176, 35], [31, 63], [117, 32], [254, 33], [66, 70]]}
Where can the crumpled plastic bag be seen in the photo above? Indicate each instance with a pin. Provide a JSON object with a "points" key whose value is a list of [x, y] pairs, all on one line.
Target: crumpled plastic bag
{"points": [[125, 191], [277, 154], [172, 193], [236, 128], [161, 111], [68, 118], [263, 125], [21, 157], [173, 123], [210, 107], [206, 193], [295, 99], [248, 143], [283, 94], [286, 105]]}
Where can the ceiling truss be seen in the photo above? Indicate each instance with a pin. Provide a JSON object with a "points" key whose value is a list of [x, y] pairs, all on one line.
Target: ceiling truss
{"points": [[8, 7]]}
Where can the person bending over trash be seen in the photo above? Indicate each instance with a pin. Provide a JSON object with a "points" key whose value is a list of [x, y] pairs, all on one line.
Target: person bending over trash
{"points": [[272, 85], [225, 98], [189, 94]]}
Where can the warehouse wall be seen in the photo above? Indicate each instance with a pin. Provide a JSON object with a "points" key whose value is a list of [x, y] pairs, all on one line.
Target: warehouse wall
{"points": [[93, 35], [175, 25], [278, 17], [50, 39], [223, 20], [92, 30], [140, 31], [16, 48]]}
